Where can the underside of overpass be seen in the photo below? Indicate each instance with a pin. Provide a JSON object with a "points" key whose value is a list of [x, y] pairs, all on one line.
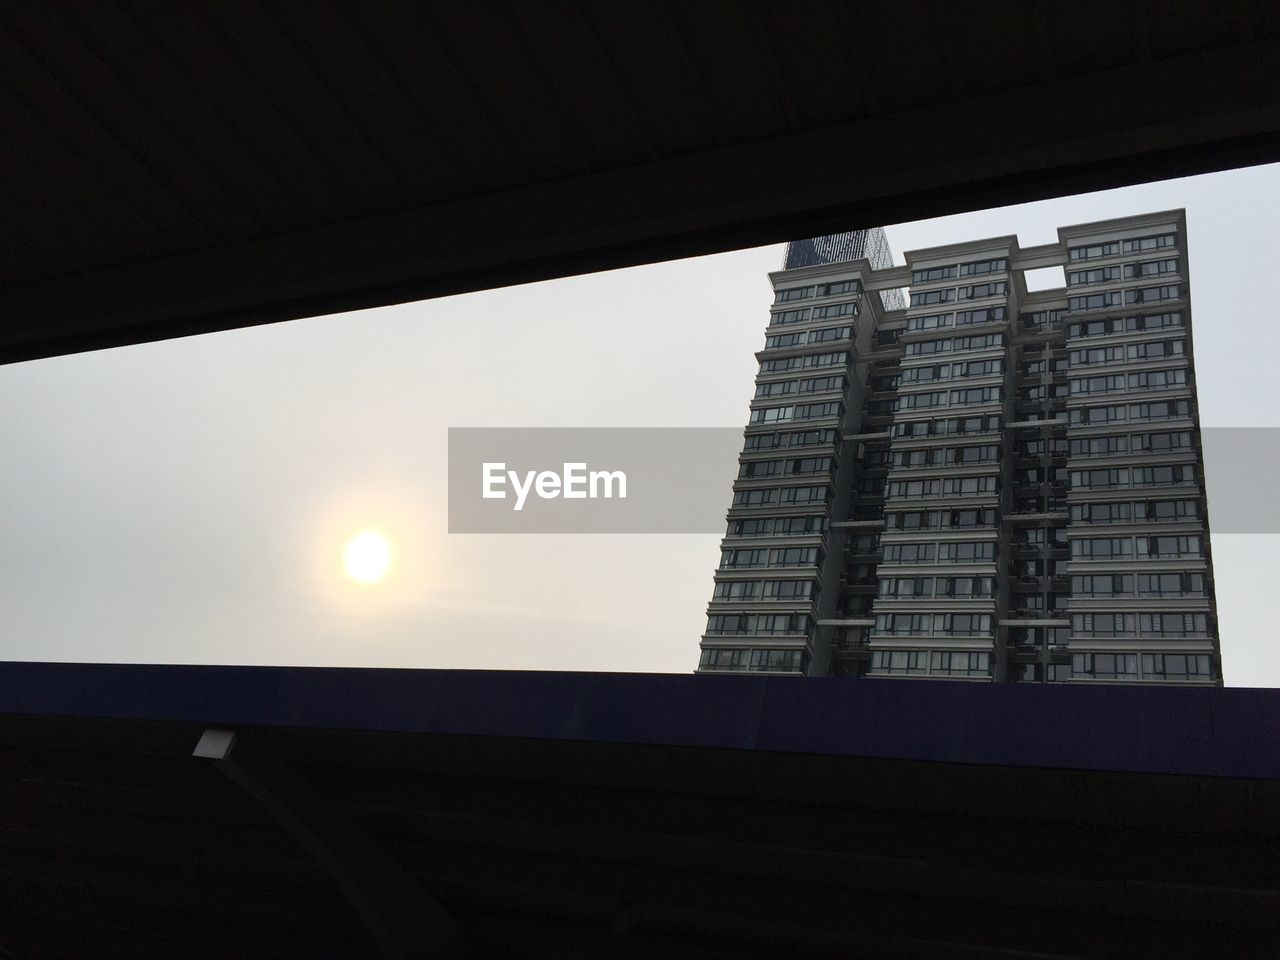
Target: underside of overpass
{"points": [[179, 169], [293, 812]]}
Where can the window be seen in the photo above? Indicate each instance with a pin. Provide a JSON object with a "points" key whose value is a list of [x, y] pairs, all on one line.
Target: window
{"points": [[743, 558], [789, 316], [717, 659], [1178, 625], [1076, 278], [1161, 511], [933, 274], [835, 310], [909, 552], [838, 359], [977, 395], [912, 458], [792, 293], [777, 388], [785, 340], [1160, 410], [967, 318], [980, 267], [838, 288], [1171, 585], [1096, 355], [1152, 294], [1093, 252], [1171, 547], [925, 374], [1150, 268], [1143, 244], [966, 588], [1099, 446], [961, 519], [934, 321], [1102, 624], [1095, 301], [760, 624], [1098, 415], [993, 288], [955, 425], [968, 486], [828, 334], [1105, 666], [816, 411], [928, 298], [900, 661], [777, 526], [736, 590], [987, 453], [823, 384], [790, 589], [1095, 328], [770, 495], [989, 341], [1100, 512], [907, 489], [1102, 585], [906, 587], [913, 520], [966, 624], [967, 551], [1042, 318], [1152, 321], [1157, 379], [903, 624], [915, 401], [794, 557], [1115, 477], [1176, 666], [926, 347], [798, 438], [1164, 476], [1101, 548], [758, 660], [777, 661], [954, 663], [1155, 349], [1162, 442], [1108, 384], [772, 414]]}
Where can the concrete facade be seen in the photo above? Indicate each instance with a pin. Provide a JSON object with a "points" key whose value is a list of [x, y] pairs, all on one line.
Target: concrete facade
{"points": [[986, 484]]}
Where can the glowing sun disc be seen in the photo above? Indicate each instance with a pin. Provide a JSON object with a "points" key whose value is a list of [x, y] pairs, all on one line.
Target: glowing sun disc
{"points": [[367, 557]]}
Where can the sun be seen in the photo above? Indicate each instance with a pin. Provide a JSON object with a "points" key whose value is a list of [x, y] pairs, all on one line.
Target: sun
{"points": [[367, 556]]}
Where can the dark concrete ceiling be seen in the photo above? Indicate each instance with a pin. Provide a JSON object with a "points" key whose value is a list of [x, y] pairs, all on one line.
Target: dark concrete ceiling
{"points": [[178, 168]]}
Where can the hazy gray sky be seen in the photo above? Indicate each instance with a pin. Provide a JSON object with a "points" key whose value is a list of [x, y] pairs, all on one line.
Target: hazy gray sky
{"points": [[188, 501]]}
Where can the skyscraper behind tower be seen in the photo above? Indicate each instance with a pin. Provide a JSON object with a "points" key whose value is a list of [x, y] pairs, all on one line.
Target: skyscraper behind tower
{"points": [[984, 483]]}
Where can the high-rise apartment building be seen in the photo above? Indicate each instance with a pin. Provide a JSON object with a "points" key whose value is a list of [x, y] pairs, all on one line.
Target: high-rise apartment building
{"points": [[982, 483]]}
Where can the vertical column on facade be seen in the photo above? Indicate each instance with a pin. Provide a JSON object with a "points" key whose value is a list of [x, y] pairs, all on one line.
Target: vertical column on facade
{"points": [[1037, 522], [938, 599], [1142, 604], [867, 444], [781, 558]]}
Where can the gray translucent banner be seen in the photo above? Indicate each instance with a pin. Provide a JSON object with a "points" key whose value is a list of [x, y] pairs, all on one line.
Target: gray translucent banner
{"points": [[595, 480], [679, 480], [1242, 469]]}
